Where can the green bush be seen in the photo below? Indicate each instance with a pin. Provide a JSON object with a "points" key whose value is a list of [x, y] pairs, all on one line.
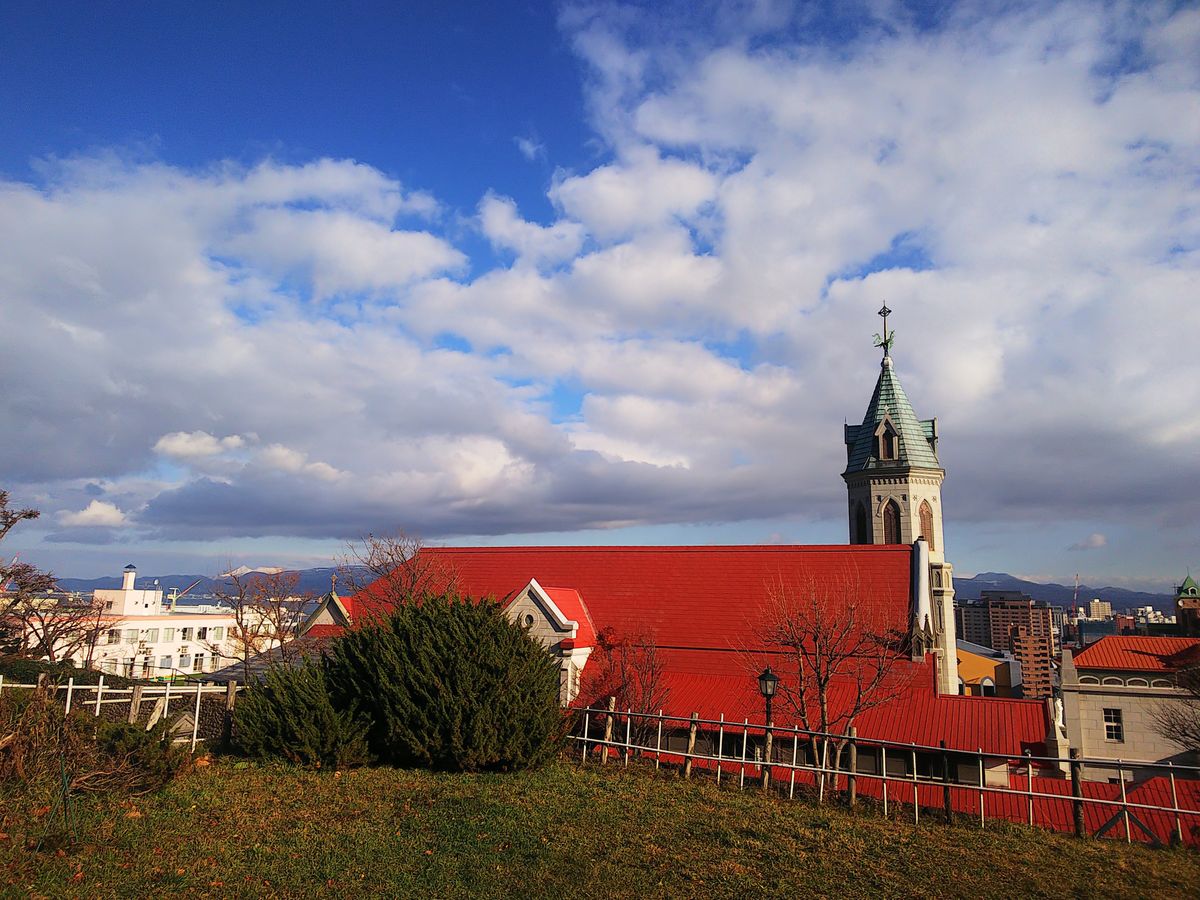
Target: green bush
{"points": [[289, 714], [22, 670], [450, 684]]}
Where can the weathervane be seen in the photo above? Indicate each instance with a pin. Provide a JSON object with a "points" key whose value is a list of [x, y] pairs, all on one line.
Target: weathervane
{"points": [[888, 336]]}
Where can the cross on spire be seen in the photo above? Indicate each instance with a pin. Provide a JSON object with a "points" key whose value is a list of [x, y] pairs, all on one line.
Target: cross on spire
{"points": [[885, 341]]}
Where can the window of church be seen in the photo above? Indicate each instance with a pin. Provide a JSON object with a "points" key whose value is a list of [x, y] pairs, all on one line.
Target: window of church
{"points": [[926, 514], [862, 528], [887, 443], [891, 523]]}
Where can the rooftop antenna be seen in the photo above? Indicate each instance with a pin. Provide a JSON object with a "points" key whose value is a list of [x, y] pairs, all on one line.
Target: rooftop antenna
{"points": [[885, 340], [1076, 600]]}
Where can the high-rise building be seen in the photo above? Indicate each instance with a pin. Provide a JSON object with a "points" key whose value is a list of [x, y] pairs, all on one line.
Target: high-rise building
{"points": [[1010, 620], [1099, 609]]}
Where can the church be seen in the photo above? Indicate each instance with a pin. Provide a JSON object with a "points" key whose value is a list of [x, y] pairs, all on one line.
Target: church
{"points": [[708, 615]]}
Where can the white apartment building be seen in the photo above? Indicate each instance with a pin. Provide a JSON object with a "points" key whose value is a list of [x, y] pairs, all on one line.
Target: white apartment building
{"points": [[150, 640]]}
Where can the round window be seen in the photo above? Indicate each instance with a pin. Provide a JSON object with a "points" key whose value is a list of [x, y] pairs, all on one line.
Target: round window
{"points": [[527, 620]]}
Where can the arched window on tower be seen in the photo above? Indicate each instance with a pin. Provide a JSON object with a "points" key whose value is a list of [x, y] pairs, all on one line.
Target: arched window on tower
{"points": [[891, 523], [926, 513], [862, 528]]}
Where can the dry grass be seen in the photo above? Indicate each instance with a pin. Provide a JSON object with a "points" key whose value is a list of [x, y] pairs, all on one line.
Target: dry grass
{"points": [[230, 830]]}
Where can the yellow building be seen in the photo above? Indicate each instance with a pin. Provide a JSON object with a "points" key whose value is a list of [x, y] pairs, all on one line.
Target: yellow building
{"points": [[984, 672]]}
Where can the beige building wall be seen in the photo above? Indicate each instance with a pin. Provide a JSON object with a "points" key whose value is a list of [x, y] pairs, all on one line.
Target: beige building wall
{"points": [[1137, 696]]}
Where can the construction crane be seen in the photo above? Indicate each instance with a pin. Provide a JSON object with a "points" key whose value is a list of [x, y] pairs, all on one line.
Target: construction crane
{"points": [[178, 593]]}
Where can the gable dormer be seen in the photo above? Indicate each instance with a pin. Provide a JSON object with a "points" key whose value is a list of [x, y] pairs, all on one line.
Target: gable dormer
{"points": [[559, 620], [887, 440]]}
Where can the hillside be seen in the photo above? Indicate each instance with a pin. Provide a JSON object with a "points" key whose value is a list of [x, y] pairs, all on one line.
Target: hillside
{"points": [[237, 830]]}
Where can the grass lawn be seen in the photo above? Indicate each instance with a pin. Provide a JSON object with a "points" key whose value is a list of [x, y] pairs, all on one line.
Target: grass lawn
{"points": [[562, 832]]}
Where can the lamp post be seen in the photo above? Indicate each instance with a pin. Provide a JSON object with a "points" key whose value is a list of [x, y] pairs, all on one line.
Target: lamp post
{"points": [[768, 681]]}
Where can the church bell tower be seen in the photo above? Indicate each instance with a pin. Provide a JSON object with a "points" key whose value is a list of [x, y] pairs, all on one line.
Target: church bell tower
{"points": [[894, 482]]}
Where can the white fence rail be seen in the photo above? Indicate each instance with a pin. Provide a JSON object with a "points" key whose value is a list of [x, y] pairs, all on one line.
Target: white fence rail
{"points": [[187, 697], [1155, 803]]}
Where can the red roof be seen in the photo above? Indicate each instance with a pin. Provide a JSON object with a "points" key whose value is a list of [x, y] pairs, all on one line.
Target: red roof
{"points": [[703, 608], [716, 683], [1137, 653], [691, 596], [572, 606]]}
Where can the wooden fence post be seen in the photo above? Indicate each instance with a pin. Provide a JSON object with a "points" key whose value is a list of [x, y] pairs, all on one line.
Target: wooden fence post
{"points": [[691, 746], [230, 700], [767, 749], [1077, 792], [135, 703], [946, 803], [99, 692], [196, 715], [852, 779], [608, 729]]}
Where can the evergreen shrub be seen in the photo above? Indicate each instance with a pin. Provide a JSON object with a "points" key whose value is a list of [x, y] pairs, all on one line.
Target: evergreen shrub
{"points": [[289, 714], [451, 684]]}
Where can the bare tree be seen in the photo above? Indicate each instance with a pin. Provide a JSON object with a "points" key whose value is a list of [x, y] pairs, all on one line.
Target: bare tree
{"points": [[1179, 720], [834, 664], [34, 622], [266, 608], [630, 668], [391, 569]]}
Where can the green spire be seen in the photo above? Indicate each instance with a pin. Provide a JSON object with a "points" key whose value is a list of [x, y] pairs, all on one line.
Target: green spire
{"points": [[915, 439]]}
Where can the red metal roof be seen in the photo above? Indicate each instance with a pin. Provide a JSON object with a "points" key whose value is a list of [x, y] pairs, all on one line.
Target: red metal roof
{"points": [[715, 683], [572, 606], [1137, 653], [692, 596]]}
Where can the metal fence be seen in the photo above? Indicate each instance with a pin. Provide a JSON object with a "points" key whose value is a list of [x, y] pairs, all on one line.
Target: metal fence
{"points": [[1155, 803], [198, 712]]}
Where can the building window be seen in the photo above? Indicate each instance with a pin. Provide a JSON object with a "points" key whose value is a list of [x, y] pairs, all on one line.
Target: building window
{"points": [[151, 635], [891, 523], [927, 524], [131, 635], [1114, 729], [887, 442], [164, 664], [202, 634], [198, 664], [962, 687], [168, 634], [217, 633], [185, 661], [862, 529], [114, 635], [185, 634], [109, 666], [987, 687]]}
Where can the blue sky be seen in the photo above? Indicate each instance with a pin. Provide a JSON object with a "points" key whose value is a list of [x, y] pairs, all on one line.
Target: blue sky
{"points": [[281, 274]]}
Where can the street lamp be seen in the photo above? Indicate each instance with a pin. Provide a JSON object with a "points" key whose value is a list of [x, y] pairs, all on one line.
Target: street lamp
{"points": [[768, 681]]}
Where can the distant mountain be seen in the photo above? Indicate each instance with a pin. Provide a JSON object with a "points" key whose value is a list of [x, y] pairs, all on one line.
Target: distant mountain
{"points": [[1058, 594], [316, 581]]}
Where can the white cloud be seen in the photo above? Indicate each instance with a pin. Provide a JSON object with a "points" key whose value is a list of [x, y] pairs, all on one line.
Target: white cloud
{"points": [[530, 148], [1093, 541], [682, 339], [504, 227], [188, 445], [285, 459], [642, 191], [98, 513]]}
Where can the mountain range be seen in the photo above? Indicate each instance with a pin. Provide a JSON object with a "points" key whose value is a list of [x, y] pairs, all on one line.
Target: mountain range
{"points": [[318, 581]]}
